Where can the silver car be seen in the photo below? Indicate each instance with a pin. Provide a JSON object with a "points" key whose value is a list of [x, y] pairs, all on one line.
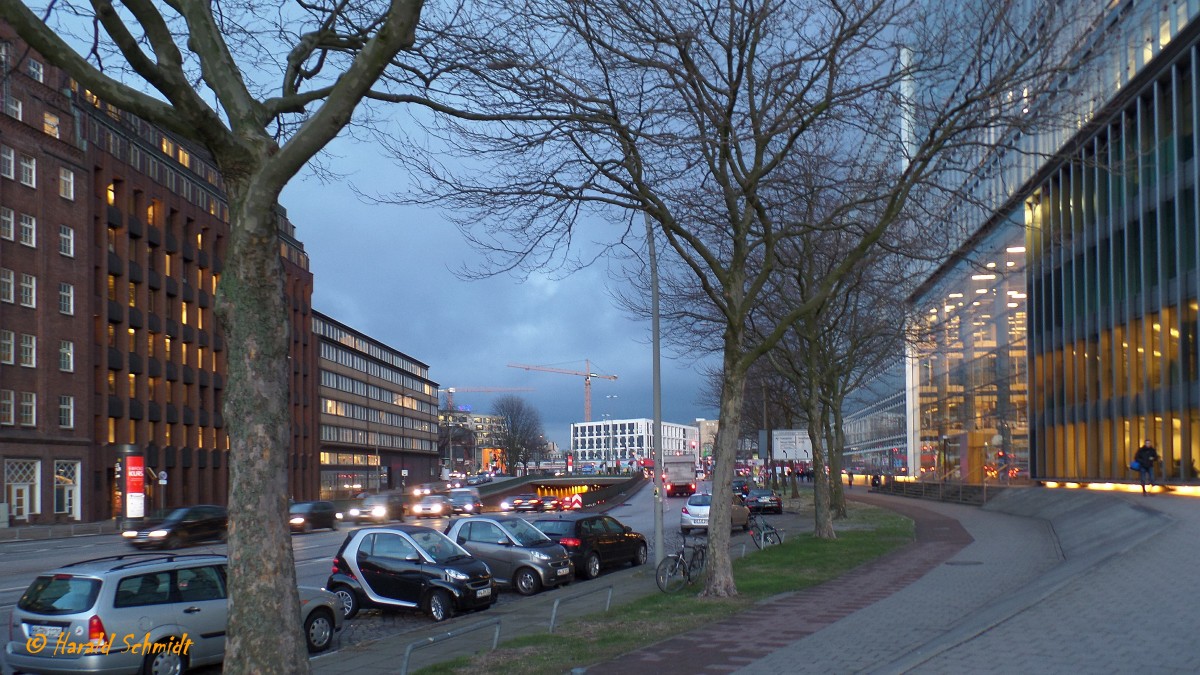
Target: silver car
{"points": [[694, 514], [150, 612], [519, 554]]}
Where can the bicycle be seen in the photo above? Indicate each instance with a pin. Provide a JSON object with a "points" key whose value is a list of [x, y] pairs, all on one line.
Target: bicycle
{"points": [[762, 533], [681, 568]]}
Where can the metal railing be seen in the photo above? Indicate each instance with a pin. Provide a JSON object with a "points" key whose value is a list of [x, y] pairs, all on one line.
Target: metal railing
{"points": [[607, 603], [428, 642]]}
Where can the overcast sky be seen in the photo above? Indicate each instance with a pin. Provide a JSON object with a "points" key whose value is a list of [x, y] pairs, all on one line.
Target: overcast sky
{"points": [[388, 272]]}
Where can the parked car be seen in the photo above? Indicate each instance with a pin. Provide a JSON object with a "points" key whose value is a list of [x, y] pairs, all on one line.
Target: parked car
{"points": [[182, 527], [379, 508], [307, 516], [466, 501], [594, 541], [764, 500], [518, 553], [409, 567], [169, 599], [433, 506], [742, 486], [523, 502], [694, 514]]}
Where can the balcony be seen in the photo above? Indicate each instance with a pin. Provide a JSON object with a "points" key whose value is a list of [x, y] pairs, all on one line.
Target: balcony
{"points": [[151, 455], [154, 323], [172, 414], [172, 328], [135, 317], [154, 411], [154, 367], [218, 423], [218, 264], [189, 375], [154, 279], [116, 359], [116, 312], [202, 338], [169, 454], [185, 457], [136, 228], [202, 299], [172, 372], [116, 407], [218, 343], [116, 266], [135, 273], [189, 293], [172, 286], [154, 236], [172, 242], [188, 252], [202, 259], [135, 363], [189, 417], [189, 334], [115, 217], [135, 409], [204, 418], [201, 457], [204, 378], [218, 381]]}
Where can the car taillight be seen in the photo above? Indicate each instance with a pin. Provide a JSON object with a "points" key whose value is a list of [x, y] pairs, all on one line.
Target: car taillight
{"points": [[684, 510], [96, 631], [337, 569], [570, 542]]}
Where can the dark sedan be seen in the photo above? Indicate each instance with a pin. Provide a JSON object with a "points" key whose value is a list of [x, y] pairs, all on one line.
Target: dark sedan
{"points": [[181, 527], [593, 541], [525, 502], [308, 516], [763, 500]]}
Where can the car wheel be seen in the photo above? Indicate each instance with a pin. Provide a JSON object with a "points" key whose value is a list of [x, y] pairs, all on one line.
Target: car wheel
{"points": [[318, 630], [639, 558], [526, 581], [591, 566], [439, 606], [349, 600], [163, 662]]}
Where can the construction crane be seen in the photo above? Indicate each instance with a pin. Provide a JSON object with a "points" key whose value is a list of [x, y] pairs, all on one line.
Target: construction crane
{"points": [[587, 376], [450, 392]]}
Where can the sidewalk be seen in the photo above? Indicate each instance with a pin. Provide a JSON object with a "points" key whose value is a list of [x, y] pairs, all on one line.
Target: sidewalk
{"points": [[1039, 581], [32, 532]]}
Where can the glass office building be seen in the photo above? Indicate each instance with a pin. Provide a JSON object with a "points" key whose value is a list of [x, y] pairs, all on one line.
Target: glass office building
{"points": [[1081, 342]]}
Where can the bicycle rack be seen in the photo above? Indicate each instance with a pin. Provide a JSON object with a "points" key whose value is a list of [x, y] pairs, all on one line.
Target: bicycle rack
{"points": [[421, 644], [607, 603]]}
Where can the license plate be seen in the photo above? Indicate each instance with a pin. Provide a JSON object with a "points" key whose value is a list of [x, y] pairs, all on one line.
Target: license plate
{"points": [[701, 522], [483, 593], [564, 571], [48, 631]]}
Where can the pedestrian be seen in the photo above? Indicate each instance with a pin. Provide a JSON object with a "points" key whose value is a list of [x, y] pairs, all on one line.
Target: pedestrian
{"points": [[1145, 458], [850, 475]]}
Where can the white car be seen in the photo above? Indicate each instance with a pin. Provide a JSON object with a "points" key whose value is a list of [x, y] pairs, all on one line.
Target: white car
{"points": [[694, 514]]}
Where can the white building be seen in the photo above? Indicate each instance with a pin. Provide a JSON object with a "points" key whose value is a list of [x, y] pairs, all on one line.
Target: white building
{"points": [[610, 443]]}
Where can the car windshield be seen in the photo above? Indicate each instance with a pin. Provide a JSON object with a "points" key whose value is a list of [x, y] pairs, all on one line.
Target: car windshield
{"points": [[439, 547], [700, 500], [556, 528], [301, 508], [462, 499], [524, 533], [761, 493], [60, 594]]}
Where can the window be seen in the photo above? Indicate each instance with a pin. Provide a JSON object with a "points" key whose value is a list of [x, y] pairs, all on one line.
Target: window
{"points": [[12, 106], [6, 346], [66, 412], [66, 240], [66, 356], [7, 403], [6, 285], [28, 171], [8, 162], [145, 589], [28, 350], [66, 489], [66, 184], [66, 299], [28, 410], [36, 71], [50, 124], [28, 290], [7, 223], [28, 230]]}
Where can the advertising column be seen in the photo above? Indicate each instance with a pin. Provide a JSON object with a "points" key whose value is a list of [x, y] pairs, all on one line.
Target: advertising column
{"points": [[134, 482]]}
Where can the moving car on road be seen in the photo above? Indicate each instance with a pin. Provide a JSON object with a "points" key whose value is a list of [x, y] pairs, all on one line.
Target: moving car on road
{"points": [[433, 506], [177, 602], [181, 527], [594, 541], [524, 502], [518, 554], [466, 501], [409, 567], [308, 516], [379, 508]]}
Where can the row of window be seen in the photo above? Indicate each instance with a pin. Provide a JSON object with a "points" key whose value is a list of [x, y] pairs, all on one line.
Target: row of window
{"points": [[24, 230], [27, 352], [27, 295], [20, 408]]}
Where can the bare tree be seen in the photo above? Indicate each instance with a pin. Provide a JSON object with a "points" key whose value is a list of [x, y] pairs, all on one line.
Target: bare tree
{"points": [[523, 433], [690, 113], [199, 62]]}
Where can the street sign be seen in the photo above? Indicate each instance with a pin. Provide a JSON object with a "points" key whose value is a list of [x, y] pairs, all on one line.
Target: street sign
{"points": [[162, 477]]}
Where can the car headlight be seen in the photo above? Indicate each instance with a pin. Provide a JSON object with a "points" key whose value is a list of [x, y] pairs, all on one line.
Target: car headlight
{"points": [[159, 534], [298, 520], [436, 508], [338, 515], [355, 513], [468, 507], [538, 555], [455, 575], [379, 511], [505, 505], [129, 533]]}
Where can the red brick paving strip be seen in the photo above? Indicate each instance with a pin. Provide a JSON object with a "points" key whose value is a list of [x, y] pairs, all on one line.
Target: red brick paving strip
{"points": [[729, 645]]}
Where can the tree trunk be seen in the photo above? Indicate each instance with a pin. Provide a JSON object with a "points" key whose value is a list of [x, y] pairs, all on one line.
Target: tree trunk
{"points": [[262, 572], [720, 583]]}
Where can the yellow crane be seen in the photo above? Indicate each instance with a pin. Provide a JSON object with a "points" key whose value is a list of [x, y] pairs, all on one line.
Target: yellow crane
{"points": [[587, 376]]}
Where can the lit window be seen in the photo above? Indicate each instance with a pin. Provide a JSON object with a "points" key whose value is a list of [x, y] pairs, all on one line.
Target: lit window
{"points": [[66, 412], [66, 184], [28, 354], [66, 240], [7, 220], [28, 230], [66, 356], [36, 71], [28, 171], [6, 407], [6, 285], [50, 124], [6, 346], [28, 408], [66, 299], [8, 162], [12, 106], [28, 290]]}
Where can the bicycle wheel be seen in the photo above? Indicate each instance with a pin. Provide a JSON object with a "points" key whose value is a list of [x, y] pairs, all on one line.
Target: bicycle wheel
{"points": [[671, 574], [696, 566], [771, 537]]}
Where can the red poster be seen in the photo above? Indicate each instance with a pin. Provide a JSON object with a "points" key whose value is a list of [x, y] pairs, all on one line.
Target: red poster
{"points": [[135, 474]]}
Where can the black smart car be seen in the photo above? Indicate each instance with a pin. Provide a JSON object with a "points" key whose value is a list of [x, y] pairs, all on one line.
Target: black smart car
{"points": [[409, 567], [593, 540]]}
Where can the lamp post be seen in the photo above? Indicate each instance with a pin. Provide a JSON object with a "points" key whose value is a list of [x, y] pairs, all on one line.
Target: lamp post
{"points": [[655, 435]]}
